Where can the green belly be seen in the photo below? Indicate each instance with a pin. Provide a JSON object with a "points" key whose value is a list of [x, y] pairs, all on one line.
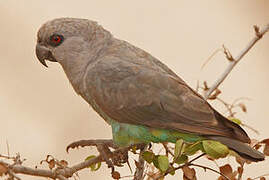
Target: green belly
{"points": [[127, 134]]}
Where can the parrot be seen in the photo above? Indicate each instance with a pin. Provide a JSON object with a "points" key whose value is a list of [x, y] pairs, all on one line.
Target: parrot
{"points": [[140, 97]]}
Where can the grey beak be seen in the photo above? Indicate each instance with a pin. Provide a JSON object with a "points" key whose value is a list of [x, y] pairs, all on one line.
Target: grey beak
{"points": [[43, 54]]}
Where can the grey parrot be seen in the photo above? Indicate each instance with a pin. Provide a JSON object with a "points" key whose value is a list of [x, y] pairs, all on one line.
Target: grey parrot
{"points": [[141, 98]]}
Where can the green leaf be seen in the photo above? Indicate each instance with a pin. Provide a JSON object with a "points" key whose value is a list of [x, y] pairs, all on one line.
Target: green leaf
{"points": [[179, 148], [172, 170], [191, 149], [163, 163], [95, 166], [155, 161], [148, 156], [215, 149], [235, 120], [182, 159]]}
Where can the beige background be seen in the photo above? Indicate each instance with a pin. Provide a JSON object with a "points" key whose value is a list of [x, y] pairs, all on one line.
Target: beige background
{"points": [[39, 111]]}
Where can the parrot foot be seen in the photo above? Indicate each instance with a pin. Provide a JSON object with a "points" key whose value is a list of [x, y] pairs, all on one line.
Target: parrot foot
{"points": [[115, 158]]}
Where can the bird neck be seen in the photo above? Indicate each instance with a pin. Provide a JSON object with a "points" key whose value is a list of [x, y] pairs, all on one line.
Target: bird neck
{"points": [[96, 46]]}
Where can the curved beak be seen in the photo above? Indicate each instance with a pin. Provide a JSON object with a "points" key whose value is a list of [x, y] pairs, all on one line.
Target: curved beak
{"points": [[43, 54]]}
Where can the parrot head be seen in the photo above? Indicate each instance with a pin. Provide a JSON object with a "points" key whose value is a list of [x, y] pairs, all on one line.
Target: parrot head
{"points": [[63, 39]]}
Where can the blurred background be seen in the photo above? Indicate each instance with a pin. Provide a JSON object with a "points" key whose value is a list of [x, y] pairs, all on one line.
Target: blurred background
{"points": [[40, 113]]}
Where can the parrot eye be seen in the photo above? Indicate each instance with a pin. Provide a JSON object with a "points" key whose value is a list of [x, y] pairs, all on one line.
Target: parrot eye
{"points": [[56, 39]]}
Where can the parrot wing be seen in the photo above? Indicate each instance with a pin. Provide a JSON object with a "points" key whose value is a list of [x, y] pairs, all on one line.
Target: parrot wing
{"points": [[135, 94]]}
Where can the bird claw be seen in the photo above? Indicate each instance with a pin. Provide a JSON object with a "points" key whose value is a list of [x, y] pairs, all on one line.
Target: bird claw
{"points": [[95, 142]]}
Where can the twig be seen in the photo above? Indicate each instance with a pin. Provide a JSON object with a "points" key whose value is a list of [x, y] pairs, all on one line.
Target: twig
{"points": [[194, 159], [260, 176], [240, 173], [58, 173], [61, 177], [7, 147], [13, 175], [167, 150], [210, 57], [140, 166], [258, 35], [205, 168], [228, 106]]}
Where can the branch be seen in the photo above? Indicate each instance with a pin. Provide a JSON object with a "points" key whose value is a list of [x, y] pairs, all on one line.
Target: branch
{"points": [[213, 170], [63, 173], [60, 173], [233, 61], [140, 166]]}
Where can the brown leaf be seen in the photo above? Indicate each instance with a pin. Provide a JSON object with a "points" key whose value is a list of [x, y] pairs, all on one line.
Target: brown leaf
{"points": [[115, 175], [51, 163], [266, 150], [3, 169], [64, 163], [265, 141], [243, 107], [240, 170], [266, 147], [249, 179], [228, 171], [262, 178], [154, 175], [188, 173], [240, 160]]}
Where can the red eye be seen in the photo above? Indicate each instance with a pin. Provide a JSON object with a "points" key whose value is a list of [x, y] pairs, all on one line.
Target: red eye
{"points": [[56, 39]]}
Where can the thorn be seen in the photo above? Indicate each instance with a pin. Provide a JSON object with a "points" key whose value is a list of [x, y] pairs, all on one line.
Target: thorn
{"points": [[257, 31], [206, 86], [227, 54]]}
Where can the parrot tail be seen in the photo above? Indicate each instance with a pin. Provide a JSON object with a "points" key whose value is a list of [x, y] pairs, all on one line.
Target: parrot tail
{"points": [[242, 149]]}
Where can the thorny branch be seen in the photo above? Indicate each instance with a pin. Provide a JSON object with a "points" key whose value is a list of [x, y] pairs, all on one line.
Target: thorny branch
{"points": [[233, 61], [63, 173]]}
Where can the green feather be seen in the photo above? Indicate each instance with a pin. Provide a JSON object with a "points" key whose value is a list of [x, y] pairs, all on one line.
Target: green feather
{"points": [[128, 134]]}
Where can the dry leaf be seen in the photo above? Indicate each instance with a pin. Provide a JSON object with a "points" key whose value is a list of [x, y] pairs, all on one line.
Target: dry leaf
{"points": [[153, 176], [64, 163], [51, 163], [266, 150], [240, 160], [115, 175], [3, 169], [262, 178], [228, 171], [240, 170], [189, 173], [266, 147]]}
